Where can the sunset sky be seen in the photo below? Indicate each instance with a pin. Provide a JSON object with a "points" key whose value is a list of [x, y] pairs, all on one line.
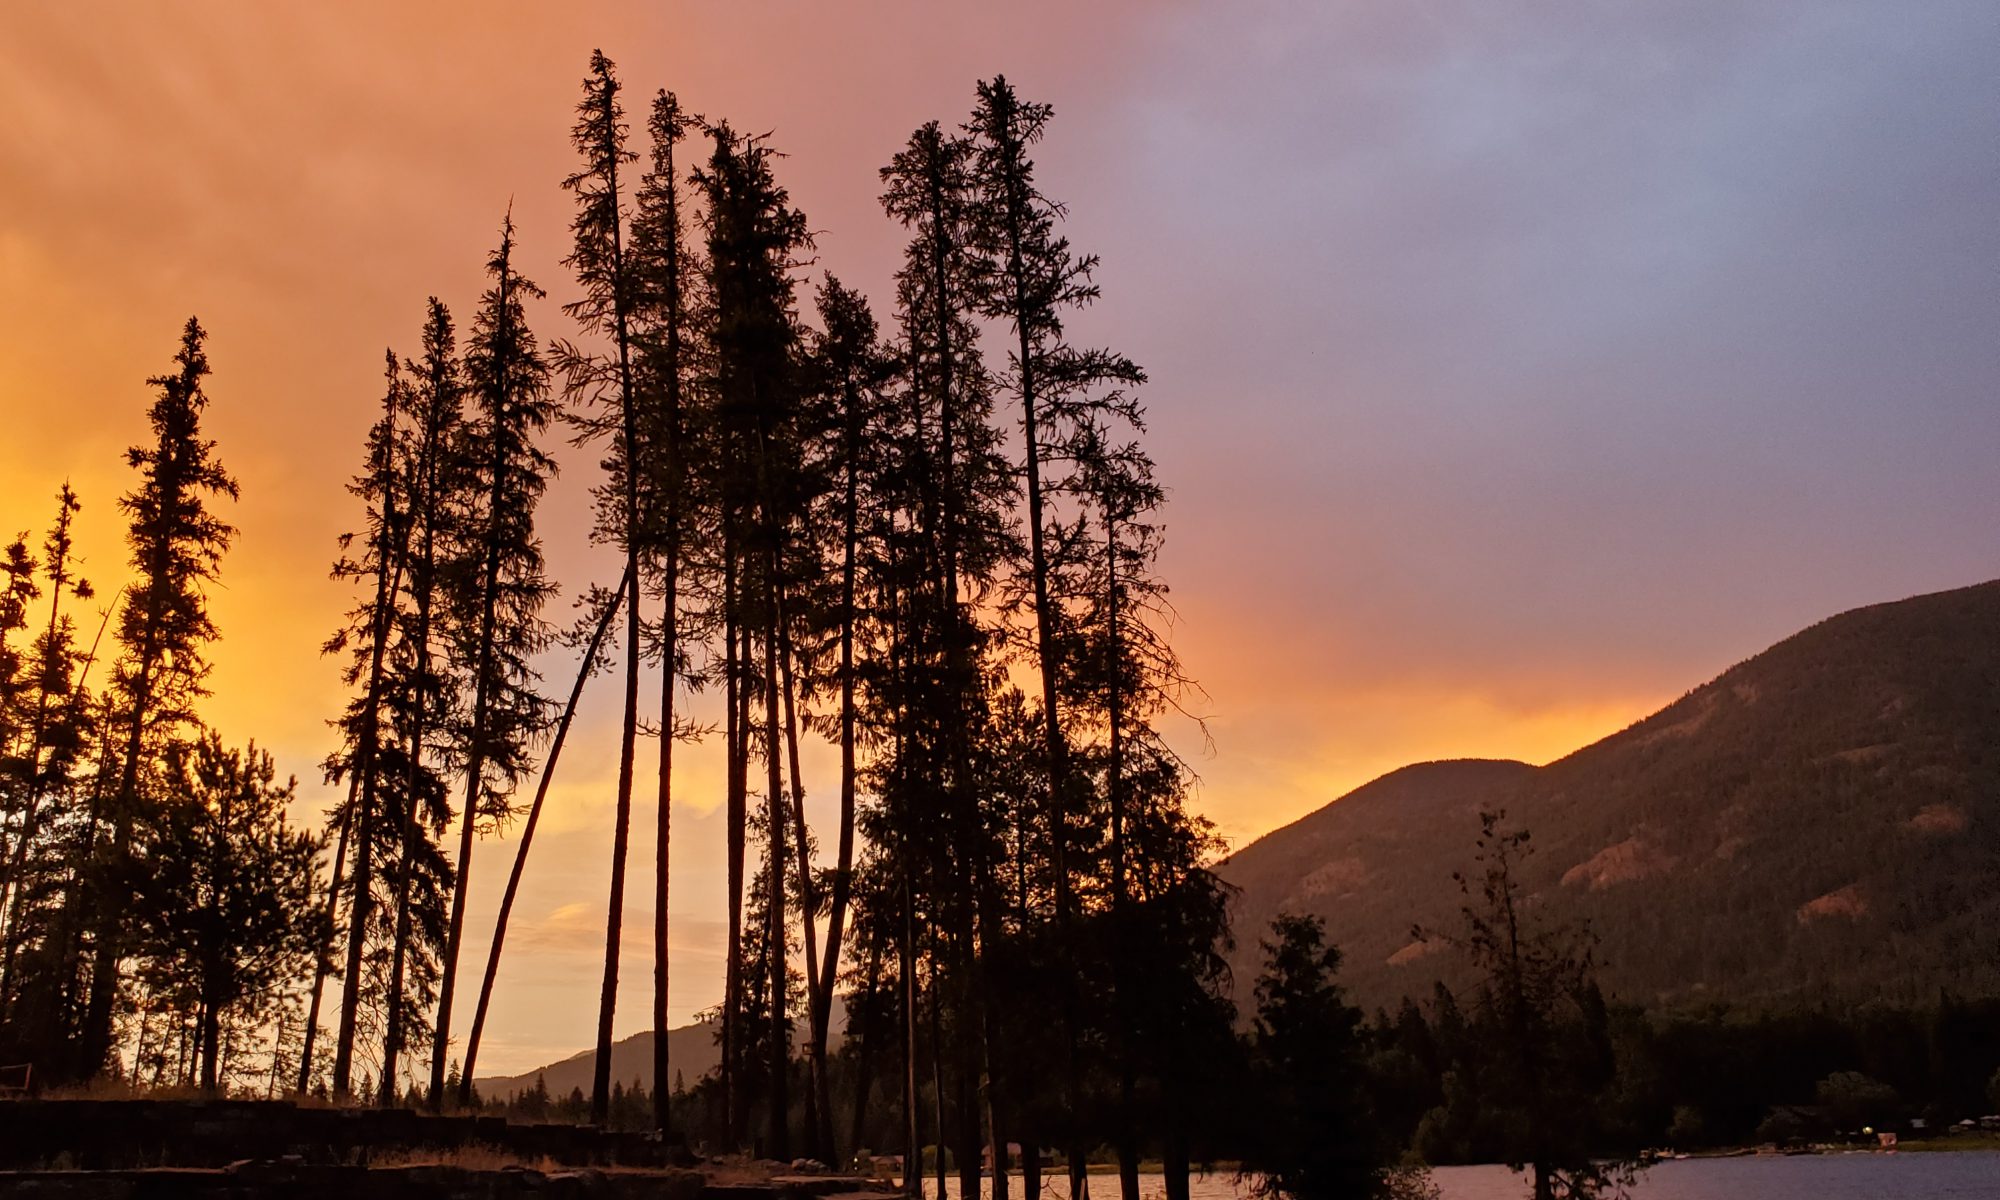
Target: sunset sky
{"points": [[1514, 368]]}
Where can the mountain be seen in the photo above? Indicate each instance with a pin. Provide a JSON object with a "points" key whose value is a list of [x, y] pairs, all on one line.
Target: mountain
{"points": [[692, 1049], [1820, 823]]}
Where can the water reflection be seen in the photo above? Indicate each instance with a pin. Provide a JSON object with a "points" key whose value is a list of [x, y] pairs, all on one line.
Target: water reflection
{"points": [[1972, 1175]]}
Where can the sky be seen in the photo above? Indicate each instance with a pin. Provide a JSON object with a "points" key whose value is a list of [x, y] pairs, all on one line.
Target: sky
{"points": [[1513, 369]]}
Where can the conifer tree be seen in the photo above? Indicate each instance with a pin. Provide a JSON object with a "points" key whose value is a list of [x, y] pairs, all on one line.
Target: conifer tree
{"points": [[1314, 1140], [664, 353], [1124, 673], [439, 481], [48, 1010], [220, 889], [497, 585], [370, 627], [851, 369], [1030, 280], [599, 260], [44, 677], [177, 546], [56, 713], [960, 489], [17, 595], [1541, 1062], [754, 239]]}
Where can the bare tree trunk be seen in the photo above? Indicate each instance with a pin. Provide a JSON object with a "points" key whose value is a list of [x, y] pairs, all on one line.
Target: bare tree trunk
{"points": [[1176, 1165], [864, 1065], [607, 1004], [96, 1034], [468, 820], [211, 1038], [583, 673], [774, 816], [621, 833], [819, 987], [663, 842], [277, 1056], [844, 856], [324, 965], [968, 1150], [937, 1071], [139, 1049], [990, 1101], [736, 699], [913, 1165], [1128, 1146], [669, 648]]}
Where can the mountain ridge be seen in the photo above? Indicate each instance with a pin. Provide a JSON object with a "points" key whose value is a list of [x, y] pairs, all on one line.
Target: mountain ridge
{"points": [[1816, 822], [691, 1050]]}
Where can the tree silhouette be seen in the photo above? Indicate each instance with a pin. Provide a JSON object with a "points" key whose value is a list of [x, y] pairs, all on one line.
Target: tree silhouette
{"points": [[1544, 1066], [39, 871], [1314, 1139], [599, 260], [497, 584], [221, 888], [664, 354], [177, 545], [850, 369], [836, 529], [1030, 278], [53, 712], [439, 483], [607, 608], [754, 239], [372, 625]]}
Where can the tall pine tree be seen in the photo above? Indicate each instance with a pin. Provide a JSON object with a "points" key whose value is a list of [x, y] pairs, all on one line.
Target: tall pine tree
{"points": [[367, 634], [177, 545], [439, 480], [497, 587], [599, 259]]}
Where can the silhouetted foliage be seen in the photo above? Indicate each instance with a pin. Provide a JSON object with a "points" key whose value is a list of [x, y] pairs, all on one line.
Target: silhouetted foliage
{"points": [[610, 285], [1314, 1137], [177, 545], [221, 891], [495, 584], [1546, 1064]]}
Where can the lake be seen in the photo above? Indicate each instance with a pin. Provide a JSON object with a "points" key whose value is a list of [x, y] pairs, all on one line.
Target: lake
{"points": [[1802, 1177]]}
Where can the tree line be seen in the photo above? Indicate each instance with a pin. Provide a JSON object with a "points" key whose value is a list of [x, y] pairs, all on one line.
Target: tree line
{"points": [[928, 540]]}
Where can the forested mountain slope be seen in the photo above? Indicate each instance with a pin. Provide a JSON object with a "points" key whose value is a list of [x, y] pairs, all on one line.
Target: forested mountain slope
{"points": [[1820, 823]]}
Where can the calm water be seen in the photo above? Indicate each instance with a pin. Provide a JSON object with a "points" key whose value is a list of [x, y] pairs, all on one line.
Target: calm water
{"points": [[1805, 1177]]}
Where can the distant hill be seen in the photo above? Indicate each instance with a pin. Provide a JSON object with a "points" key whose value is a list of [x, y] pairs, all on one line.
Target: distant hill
{"points": [[692, 1049], [1820, 823]]}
